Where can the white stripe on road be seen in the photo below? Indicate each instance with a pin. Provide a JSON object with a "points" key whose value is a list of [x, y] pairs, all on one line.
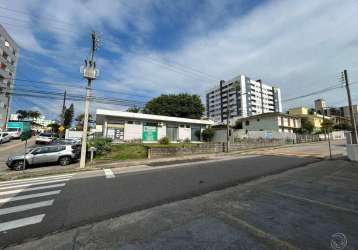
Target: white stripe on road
{"points": [[21, 208], [32, 184], [29, 196], [21, 222], [2, 183], [33, 181], [32, 189], [108, 173]]}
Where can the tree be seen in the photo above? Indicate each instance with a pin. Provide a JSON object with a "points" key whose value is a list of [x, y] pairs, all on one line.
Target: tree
{"points": [[134, 109], [54, 127], [33, 114], [80, 119], [327, 125], [22, 114], [68, 116], [181, 105], [307, 126], [208, 134]]}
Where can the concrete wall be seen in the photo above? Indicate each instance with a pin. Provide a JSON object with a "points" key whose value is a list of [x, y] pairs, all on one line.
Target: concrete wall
{"points": [[133, 131], [184, 133], [162, 131], [261, 123], [352, 152], [239, 134]]}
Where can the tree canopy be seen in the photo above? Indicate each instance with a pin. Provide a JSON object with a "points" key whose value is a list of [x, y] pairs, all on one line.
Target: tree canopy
{"points": [[68, 116], [134, 109], [307, 126], [23, 114], [181, 105]]}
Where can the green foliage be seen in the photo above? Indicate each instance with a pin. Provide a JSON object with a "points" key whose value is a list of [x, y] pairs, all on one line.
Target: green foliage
{"points": [[343, 126], [208, 134], [327, 125], [68, 116], [54, 127], [181, 105], [23, 114], [134, 109], [306, 126], [164, 141], [103, 145]]}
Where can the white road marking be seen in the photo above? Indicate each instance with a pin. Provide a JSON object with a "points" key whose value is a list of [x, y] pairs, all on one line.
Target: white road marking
{"points": [[29, 196], [32, 189], [108, 173], [2, 183], [32, 184], [21, 208], [21, 222]]}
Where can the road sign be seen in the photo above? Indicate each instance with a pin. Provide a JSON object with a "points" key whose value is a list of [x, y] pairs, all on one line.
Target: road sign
{"points": [[150, 133], [61, 128], [26, 135]]}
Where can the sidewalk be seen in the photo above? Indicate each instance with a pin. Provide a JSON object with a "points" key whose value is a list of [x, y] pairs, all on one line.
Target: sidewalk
{"points": [[299, 209]]}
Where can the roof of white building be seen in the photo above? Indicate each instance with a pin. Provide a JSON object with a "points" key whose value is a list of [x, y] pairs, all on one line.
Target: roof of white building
{"points": [[140, 116]]}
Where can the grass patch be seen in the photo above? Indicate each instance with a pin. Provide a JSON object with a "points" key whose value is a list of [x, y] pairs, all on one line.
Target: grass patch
{"points": [[173, 145], [125, 152]]}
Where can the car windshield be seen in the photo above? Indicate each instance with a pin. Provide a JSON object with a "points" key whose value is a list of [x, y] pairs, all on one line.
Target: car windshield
{"points": [[45, 135]]}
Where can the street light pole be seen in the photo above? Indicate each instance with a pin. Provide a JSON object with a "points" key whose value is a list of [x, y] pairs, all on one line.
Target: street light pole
{"points": [[353, 121], [89, 72]]}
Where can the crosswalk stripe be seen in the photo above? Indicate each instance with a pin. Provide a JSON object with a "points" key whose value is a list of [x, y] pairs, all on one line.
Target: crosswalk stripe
{"points": [[29, 196], [32, 189], [21, 222], [32, 184], [33, 179], [108, 173], [21, 208]]}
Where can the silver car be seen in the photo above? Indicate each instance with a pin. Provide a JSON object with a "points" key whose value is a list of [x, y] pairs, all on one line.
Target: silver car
{"points": [[61, 154], [5, 137]]}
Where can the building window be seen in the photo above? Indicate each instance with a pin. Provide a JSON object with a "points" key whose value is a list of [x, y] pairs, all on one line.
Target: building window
{"points": [[129, 122], [187, 126], [182, 126], [7, 44], [258, 120], [247, 122]]}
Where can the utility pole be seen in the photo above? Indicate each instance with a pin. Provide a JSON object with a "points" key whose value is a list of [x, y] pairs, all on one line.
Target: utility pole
{"points": [[89, 72], [63, 113], [353, 121], [228, 121]]}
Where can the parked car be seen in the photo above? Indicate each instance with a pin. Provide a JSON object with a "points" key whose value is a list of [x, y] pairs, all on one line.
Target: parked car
{"points": [[44, 138], [14, 133], [61, 154], [5, 137]]}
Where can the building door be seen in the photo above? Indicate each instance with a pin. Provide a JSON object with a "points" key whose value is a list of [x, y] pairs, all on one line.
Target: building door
{"points": [[172, 132], [195, 133], [150, 132]]}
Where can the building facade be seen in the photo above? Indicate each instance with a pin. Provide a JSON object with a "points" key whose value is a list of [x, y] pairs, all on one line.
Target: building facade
{"points": [[243, 97], [126, 127], [9, 53], [277, 122], [313, 117]]}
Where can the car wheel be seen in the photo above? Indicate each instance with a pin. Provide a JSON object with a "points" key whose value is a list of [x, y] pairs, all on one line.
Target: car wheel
{"points": [[19, 165], [65, 160]]}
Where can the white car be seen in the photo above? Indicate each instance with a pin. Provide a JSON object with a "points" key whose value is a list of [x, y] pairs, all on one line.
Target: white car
{"points": [[44, 138], [4, 137], [15, 133]]}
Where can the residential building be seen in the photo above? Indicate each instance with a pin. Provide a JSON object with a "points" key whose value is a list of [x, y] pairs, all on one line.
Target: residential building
{"points": [[320, 106], [9, 53], [244, 97], [273, 121], [41, 120], [312, 116], [126, 126]]}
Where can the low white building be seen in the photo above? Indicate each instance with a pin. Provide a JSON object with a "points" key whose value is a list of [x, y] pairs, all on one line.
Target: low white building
{"points": [[126, 126], [270, 122]]}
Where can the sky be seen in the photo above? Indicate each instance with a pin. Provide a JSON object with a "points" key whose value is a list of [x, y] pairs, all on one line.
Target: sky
{"points": [[150, 47]]}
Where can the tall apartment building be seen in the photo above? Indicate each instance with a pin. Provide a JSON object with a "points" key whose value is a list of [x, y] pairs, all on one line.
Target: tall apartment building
{"points": [[9, 53], [246, 98]]}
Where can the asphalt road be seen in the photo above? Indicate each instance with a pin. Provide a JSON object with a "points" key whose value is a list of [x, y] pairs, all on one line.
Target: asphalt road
{"points": [[63, 202]]}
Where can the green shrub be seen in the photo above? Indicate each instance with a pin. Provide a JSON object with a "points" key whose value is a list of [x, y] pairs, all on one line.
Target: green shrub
{"points": [[164, 141], [187, 140], [208, 134], [103, 145]]}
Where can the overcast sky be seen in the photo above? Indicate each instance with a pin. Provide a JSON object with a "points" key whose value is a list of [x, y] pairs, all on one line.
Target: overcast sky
{"points": [[151, 47]]}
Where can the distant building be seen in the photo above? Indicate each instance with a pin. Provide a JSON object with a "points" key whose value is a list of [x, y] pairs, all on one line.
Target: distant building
{"points": [[320, 106], [246, 98], [9, 54], [42, 121], [275, 121], [312, 116], [126, 126]]}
